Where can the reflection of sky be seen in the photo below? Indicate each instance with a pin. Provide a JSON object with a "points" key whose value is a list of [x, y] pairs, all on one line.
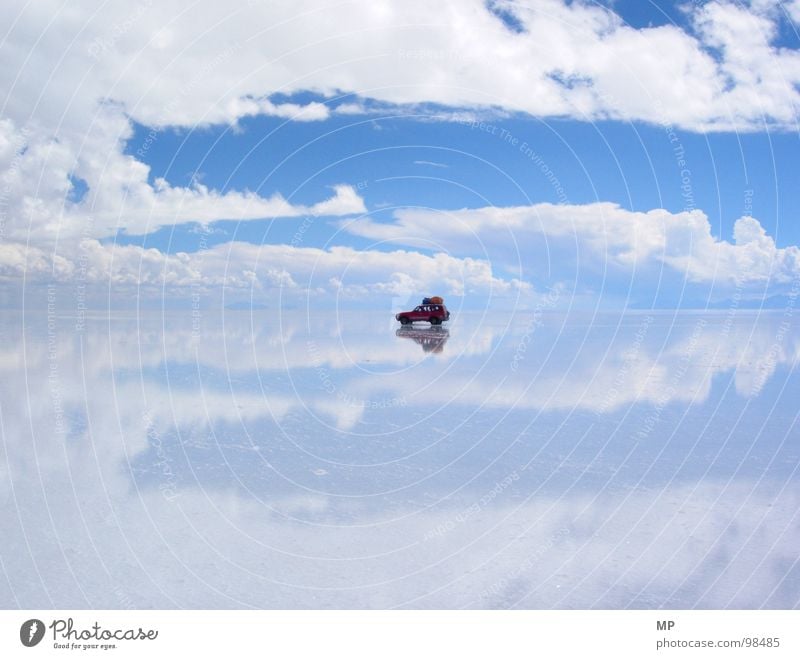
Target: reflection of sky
{"points": [[548, 461]]}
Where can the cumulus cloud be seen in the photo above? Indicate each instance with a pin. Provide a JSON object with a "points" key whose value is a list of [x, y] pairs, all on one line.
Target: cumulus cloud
{"points": [[39, 175], [793, 9], [596, 239], [165, 205], [75, 81], [247, 106], [722, 70], [344, 272], [495, 251]]}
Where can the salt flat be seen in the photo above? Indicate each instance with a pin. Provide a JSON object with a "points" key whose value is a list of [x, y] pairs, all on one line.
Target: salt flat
{"points": [[282, 460]]}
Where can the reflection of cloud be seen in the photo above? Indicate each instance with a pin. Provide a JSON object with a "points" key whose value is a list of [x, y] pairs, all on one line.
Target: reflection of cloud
{"points": [[345, 413], [187, 408], [238, 342], [344, 366], [603, 372], [244, 351], [671, 548], [156, 480], [677, 547]]}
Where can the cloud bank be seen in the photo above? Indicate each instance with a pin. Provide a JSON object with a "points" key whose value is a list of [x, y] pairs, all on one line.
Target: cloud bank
{"points": [[724, 68], [76, 81], [598, 243], [343, 272]]}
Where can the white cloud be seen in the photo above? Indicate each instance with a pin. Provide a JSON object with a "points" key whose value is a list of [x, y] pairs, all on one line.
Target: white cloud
{"points": [[430, 163], [351, 108], [342, 272], [245, 107], [75, 80], [486, 251], [164, 205], [596, 239], [167, 67], [119, 197], [792, 7]]}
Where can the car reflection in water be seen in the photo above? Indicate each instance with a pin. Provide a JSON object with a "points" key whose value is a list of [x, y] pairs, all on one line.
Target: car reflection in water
{"points": [[432, 339]]}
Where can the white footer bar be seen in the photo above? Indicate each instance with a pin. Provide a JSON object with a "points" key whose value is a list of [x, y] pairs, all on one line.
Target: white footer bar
{"points": [[400, 634]]}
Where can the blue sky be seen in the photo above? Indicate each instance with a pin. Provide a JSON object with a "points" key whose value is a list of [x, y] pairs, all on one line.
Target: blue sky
{"points": [[625, 153], [417, 161]]}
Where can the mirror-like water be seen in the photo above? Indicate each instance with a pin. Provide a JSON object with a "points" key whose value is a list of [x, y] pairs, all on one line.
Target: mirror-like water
{"points": [[336, 460]]}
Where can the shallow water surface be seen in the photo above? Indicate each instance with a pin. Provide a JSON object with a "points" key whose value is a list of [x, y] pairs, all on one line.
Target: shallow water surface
{"points": [[335, 460]]}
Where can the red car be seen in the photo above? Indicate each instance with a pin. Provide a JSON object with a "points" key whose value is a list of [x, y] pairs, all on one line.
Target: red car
{"points": [[435, 314]]}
